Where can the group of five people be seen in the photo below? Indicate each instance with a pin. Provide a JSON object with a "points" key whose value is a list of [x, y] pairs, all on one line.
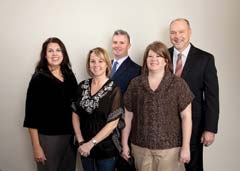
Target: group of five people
{"points": [[161, 114]]}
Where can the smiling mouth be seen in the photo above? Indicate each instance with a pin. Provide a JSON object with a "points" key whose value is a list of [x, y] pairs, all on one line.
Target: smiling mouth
{"points": [[55, 58], [177, 41], [118, 50]]}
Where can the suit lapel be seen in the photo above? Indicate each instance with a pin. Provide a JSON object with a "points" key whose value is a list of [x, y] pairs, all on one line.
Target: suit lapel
{"points": [[122, 68], [189, 62]]}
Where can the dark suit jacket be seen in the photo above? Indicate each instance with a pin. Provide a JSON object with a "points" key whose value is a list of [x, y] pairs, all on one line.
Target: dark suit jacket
{"points": [[127, 71], [201, 76]]}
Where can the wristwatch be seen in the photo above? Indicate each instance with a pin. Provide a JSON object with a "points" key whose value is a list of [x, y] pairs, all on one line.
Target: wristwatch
{"points": [[94, 141]]}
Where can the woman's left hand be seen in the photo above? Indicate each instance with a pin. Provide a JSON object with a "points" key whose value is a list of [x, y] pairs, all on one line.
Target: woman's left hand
{"points": [[85, 148], [184, 155], [125, 152]]}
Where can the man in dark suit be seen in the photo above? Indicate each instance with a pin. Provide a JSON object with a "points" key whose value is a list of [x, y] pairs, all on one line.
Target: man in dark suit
{"points": [[199, 71], [126, 70]]}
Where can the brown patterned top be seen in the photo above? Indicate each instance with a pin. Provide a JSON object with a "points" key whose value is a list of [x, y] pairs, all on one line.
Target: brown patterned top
{"points": [[156, 114]]}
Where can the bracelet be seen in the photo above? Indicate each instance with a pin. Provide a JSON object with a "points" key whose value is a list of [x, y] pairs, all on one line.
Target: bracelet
{"points": [[81, 143]]}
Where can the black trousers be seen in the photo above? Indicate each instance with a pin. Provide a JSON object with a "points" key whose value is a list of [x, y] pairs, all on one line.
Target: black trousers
{"points": [[196, 162], [59, 151], [123, 165]]}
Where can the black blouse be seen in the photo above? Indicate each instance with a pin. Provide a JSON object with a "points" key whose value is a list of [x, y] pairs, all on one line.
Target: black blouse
{"points": [[96, 111], [48, 103]]}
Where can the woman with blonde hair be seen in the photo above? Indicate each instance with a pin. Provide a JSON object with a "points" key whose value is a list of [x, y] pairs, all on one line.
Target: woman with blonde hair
{"points": [[97, 115]]}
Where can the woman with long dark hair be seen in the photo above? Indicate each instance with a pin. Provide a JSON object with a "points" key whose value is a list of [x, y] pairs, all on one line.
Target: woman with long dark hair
{"points": [[48, 109]]}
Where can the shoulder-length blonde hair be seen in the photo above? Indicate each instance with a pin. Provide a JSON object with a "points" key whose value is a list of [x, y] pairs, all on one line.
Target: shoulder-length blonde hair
{"points": [[102, 54]]}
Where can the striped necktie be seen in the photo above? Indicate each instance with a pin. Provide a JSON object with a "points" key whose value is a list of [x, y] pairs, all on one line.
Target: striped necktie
{"points": [[178, 70], [114, 68]]}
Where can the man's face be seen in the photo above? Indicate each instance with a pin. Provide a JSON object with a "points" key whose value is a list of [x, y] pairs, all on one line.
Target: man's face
{"points": [[180, 34], [120, 46]]}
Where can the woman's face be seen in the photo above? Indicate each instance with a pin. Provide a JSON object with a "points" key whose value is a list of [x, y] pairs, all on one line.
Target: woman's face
{"points": [[54, 55], [155, 62], [97, 65]]}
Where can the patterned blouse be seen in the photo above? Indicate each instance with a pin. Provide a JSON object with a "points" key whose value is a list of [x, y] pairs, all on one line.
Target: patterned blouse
{"points": [[95, 111], [156, 114]]}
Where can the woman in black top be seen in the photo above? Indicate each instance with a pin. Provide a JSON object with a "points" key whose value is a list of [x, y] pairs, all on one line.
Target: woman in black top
{"points": [[48, 109], [97, 115]]}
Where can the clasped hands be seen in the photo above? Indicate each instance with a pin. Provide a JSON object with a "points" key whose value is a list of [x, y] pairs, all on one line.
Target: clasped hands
{"points": [[85, 149], [126, 152]]}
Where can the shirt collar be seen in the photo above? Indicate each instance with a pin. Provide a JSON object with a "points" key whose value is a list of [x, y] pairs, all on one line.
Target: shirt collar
{"points": [[185, 52], [120, 61]]}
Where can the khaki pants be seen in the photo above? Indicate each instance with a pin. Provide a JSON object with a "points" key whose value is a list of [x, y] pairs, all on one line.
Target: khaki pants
{"points": [[157, 160]]}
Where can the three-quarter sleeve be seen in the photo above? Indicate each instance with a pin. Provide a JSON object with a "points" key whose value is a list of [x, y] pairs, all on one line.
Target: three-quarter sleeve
{"points": [[117, 105], [32, 105], [117, 112], [75, 104]]}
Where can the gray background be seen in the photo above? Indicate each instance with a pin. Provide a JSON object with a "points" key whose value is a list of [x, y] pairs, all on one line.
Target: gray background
{"points": [[83, 25]]}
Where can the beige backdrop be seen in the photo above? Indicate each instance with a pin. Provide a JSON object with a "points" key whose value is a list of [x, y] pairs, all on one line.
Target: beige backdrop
{"points": [[83, 25]]}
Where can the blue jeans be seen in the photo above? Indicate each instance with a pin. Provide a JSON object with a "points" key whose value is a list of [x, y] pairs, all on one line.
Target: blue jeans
{"points": [[90, 164]]}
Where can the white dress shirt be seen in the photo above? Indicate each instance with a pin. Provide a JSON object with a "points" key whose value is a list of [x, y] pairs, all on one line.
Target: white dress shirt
{"points": [[184, 56]]}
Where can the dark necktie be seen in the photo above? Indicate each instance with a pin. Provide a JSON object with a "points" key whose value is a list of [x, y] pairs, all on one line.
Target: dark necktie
{"points": [[178, 70], [114, 68]]}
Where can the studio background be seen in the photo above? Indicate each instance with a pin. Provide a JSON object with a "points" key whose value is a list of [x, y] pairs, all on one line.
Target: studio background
{"points": [[83, 25]]}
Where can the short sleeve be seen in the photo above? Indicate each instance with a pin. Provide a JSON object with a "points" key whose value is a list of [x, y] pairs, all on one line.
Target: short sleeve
{"points": [[185, 96]]}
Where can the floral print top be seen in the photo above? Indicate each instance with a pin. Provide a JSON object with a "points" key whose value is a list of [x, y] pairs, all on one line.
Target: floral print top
{"points": [[95, 111]]}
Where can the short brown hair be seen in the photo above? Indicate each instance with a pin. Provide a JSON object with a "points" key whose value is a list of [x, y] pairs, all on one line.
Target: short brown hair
{"points": [[162, 50], [122, 32]]}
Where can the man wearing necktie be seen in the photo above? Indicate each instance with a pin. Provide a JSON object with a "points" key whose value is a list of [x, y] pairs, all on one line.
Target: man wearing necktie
{"points": [[199, 71], [125, 71], [179, 66], [114, 68]]}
